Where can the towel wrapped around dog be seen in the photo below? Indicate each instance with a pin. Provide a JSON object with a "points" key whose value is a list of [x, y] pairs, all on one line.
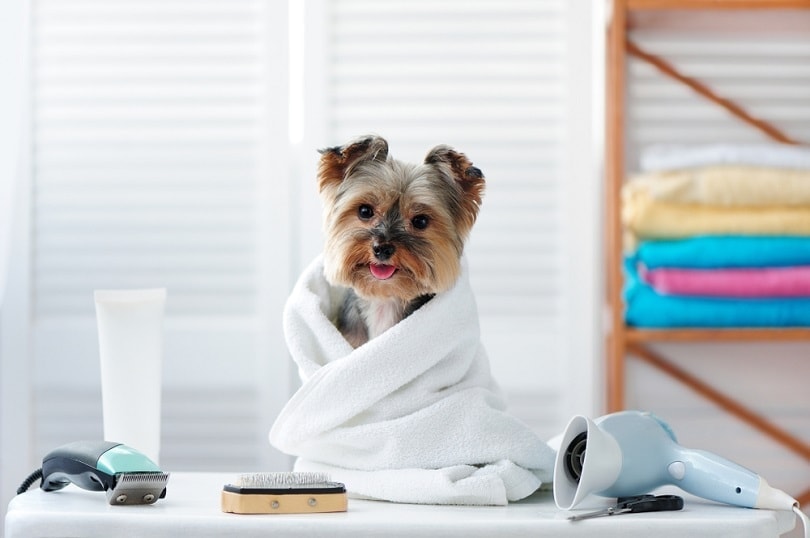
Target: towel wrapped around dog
{"points": [[411, 416]]}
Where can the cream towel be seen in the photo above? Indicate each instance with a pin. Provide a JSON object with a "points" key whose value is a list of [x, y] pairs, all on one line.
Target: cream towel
{"points": [[411, 416], [724, 185], [645, 218]]}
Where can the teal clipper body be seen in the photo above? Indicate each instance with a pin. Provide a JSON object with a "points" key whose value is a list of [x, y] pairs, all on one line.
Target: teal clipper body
{"points": [[128, 476]]}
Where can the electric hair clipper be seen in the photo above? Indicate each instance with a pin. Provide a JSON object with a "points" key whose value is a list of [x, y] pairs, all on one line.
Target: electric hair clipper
{"points": [[126, 475]]}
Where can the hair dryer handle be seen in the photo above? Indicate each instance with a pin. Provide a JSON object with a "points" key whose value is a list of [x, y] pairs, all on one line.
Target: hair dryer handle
{"points": [[712, 477]]}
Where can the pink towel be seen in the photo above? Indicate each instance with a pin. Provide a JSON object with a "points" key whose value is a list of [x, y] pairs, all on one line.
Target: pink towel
{"points": [[760, 282]]}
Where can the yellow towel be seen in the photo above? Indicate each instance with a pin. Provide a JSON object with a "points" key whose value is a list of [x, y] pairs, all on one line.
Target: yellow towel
{"points": [[725, 185], [650, 219]]}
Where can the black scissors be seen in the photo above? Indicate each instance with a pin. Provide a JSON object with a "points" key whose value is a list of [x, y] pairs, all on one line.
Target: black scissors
{"points": [[632, 505]]}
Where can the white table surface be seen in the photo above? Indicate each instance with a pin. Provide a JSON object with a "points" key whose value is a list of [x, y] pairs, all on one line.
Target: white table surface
{"points": [[192, 508]]}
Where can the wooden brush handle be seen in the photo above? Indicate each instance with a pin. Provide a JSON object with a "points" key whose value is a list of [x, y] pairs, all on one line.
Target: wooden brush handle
{"points": [[290, 503]]}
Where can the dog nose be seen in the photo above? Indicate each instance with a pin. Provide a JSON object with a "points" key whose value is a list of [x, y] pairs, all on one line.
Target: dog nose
{"points": [[383, 251]]}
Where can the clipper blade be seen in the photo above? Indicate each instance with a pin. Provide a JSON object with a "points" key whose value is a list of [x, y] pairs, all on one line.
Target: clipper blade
{"points": [[138, 488]]}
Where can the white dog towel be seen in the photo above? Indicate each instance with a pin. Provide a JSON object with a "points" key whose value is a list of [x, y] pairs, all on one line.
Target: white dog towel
{"points": [[413, 415]]}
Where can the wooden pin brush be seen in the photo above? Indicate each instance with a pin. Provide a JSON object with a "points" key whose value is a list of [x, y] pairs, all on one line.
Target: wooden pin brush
{"points": [[284, 493]]}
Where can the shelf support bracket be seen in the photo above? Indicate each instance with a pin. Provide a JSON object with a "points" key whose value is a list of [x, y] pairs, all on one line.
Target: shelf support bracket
{"points": [[733, 407], [669, 70]]}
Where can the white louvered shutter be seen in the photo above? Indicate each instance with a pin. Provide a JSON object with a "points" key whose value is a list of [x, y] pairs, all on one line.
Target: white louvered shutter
{"points": [[488, 77], [152, 127]]}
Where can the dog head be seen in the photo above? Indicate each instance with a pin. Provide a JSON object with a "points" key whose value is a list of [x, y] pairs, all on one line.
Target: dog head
{"points": [[395, 229]]}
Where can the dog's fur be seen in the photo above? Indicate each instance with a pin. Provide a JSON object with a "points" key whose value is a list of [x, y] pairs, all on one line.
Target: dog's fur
{"points": [[395, 231]]}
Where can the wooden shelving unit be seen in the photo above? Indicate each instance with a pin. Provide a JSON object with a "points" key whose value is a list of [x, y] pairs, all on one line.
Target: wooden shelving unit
{"points": [[622, 340]]}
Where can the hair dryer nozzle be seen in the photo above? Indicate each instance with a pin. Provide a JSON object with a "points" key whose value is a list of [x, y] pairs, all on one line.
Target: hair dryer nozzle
{"points": [[584, 447]]}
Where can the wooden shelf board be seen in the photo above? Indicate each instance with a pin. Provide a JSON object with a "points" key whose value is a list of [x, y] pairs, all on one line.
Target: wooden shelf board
{"points": [[716, 4], [796, 334]]}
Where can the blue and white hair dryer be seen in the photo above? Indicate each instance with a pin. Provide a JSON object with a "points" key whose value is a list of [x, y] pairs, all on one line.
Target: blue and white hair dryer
{"points": [[631, 453]]}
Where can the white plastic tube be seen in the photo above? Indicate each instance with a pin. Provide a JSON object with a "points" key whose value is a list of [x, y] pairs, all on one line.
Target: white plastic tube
{"points": [[130, 338]]}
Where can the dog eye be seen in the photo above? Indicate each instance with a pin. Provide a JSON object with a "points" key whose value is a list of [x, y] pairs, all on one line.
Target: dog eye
{"points": [[365, 212], [420, 222]]}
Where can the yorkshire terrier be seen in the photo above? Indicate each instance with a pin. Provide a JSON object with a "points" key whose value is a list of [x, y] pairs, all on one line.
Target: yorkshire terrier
{"points": [[394, 231]]}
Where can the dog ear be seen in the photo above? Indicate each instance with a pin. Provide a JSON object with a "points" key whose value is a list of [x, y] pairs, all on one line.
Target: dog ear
{"points": [[461, 170], [338, 162]]}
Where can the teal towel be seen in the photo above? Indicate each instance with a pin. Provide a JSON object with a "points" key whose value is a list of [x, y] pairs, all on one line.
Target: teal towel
{"points": [[708, 252], [646, 308]]}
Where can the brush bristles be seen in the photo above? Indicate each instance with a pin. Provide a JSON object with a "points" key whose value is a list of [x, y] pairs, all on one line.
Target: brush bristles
{"points": [[281, 480]]}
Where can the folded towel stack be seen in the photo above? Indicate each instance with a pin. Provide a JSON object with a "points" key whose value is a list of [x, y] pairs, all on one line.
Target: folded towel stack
{"points": [[718, 236]]}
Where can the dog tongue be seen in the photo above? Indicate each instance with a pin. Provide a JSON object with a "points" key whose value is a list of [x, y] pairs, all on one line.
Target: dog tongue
{"points": [[382, 272]]}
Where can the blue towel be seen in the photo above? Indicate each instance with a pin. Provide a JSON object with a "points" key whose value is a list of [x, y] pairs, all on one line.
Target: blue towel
{"points": [[707, 252], [646, 308]]}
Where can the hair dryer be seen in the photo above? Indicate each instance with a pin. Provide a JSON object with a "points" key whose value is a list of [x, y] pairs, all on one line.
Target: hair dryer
{"points": [[632, 452]]}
